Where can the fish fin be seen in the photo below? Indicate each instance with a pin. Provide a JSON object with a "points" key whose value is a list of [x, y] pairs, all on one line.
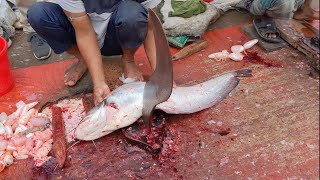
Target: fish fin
{"points": [[243, 73]]}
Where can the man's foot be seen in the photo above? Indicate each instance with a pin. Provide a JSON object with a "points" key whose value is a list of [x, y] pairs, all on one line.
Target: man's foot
{"points": [[74, 73], [267, 30], [40, 48], [271, 35], [131, 70]]}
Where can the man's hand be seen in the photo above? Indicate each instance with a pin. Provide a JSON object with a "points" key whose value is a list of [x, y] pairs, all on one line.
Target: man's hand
{"points": [[100, 92], [89, 49]]}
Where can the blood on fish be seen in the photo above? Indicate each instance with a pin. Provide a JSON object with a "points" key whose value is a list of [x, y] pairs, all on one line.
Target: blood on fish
{"points": [[86, 109], [63, 110], [113, 105]]}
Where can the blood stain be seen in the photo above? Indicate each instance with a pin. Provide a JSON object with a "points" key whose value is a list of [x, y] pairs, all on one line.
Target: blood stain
{"points": [[253, 57], [175, 169]]}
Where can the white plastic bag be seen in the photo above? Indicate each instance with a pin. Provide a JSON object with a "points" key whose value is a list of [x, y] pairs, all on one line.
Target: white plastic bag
{"points": [[194, 26], [7, 19], [225, 5]]}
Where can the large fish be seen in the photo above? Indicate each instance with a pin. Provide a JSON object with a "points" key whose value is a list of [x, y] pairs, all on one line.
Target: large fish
{"points": [[123, 106]]}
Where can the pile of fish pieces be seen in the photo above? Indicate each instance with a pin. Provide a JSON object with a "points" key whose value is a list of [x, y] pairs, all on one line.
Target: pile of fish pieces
{"points": [[23, 134], [73, 112], [237, 52]]}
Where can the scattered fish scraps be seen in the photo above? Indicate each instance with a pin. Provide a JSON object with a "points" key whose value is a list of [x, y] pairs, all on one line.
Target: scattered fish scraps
{"points": [[73, 111], [219, 56], [237, 49], [26, 133], [237, 52], [250, 44], [236, 56], [23, 134]]}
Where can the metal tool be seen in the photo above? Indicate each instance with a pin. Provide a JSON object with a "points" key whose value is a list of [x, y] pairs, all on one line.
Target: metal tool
{"points": [[149, 132], [159, 86]]}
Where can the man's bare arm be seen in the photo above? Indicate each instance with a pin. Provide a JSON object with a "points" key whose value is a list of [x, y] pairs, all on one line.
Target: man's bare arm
{"points": [[89, 50]]}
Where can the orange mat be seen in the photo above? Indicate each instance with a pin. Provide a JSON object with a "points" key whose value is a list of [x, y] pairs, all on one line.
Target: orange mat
{"points": [[41, 83], [36, 83]]}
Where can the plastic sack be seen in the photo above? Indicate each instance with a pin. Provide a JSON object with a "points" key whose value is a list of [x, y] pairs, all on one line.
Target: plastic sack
{"points": [[225, 5], [194, 26], [7, 19]]}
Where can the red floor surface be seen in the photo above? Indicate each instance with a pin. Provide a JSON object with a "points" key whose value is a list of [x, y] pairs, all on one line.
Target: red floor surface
{"points": [[37, 83], [273, 119]]}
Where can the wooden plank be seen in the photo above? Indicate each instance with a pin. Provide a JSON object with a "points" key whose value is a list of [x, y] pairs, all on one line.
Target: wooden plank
{"points": [[191, 49], [296, 34]]}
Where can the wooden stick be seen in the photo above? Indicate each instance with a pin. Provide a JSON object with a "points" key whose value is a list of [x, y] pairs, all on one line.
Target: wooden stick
{"points": [[59, 147], [191, 49]]}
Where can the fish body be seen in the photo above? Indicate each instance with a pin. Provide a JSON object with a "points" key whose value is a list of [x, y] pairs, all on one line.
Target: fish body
{"points": [[123, 106]]}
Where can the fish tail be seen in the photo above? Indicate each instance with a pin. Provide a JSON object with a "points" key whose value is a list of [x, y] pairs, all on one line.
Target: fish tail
{"points": [[243, 73]]}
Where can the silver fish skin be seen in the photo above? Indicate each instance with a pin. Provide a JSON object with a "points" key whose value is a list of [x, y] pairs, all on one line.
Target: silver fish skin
{"points": [[123, 106]]}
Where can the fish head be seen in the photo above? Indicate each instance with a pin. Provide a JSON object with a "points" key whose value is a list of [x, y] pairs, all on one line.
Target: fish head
{"points": [[94, 124], [122, 107]]}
